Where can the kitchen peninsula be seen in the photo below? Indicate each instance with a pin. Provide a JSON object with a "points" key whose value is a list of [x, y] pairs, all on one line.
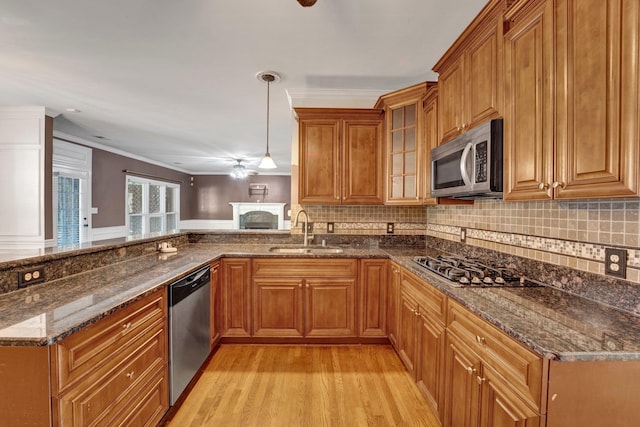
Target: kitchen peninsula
{"points": [[553, 330]]}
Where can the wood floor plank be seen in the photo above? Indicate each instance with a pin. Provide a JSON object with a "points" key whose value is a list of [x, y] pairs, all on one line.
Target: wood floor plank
{"points": [[281, 386]]}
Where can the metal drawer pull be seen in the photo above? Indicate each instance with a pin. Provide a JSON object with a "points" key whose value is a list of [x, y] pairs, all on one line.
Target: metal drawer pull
{"points": [[126, 325], [471, 370], [480, 339], [130, 375], [480, 380]]}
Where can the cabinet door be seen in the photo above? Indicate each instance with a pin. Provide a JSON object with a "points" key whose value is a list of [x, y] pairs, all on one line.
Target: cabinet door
{"points": [[362, 162], [319, 161], [484, 66], [235, 297], [597, 87], [403, 161], [373, 296], [431, 140], [408, 331], [216, 318], [430, 356], [501, 407], [277, 307], [330, 307], [461, 389], [393, 301], [452, 100], [528, 124]]}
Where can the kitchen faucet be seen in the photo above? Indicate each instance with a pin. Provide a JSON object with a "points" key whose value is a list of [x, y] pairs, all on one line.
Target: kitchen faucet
{"points": [[306, 228]]}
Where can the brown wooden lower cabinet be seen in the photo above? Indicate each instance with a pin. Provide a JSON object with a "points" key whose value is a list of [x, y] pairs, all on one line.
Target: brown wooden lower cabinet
{"points": [[473, 374], [235, 297], [113, 372], [216, 311], [372, 277], [393, 303], [422, 311], [304, 298]]}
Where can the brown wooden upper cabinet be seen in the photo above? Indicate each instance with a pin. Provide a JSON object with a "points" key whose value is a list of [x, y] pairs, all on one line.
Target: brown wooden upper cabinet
{"points": [[341, 156], [406, 153], [571, 91], [471, 73]]}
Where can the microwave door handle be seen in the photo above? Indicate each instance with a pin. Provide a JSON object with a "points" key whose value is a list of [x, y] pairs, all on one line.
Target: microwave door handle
{"points": [[463, 163]]}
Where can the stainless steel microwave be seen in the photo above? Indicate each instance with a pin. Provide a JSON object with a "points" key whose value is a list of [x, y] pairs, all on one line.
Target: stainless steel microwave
{"points": [[470, 165]]}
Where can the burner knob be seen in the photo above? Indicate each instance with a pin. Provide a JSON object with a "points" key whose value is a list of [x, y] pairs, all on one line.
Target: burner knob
{"points": [[464, 280], [476, 280], [499, 280], [487, 280]]}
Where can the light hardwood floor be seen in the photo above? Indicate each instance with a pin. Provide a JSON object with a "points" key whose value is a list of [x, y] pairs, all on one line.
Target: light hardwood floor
{"points": [[281, 386]]}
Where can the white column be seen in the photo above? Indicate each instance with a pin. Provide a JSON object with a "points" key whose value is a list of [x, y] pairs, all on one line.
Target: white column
{"points": [[22, 145]]}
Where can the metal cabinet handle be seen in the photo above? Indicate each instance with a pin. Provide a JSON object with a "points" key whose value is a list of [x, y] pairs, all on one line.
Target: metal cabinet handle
{"points": [[560, 184], [471, 370], [480, 340], [130, 374], [480, 380], [126, 326], [543, 186], [300, 284]]}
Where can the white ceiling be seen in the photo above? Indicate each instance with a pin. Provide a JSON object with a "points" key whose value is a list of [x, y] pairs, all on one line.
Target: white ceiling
{"points": [[174, 81]]}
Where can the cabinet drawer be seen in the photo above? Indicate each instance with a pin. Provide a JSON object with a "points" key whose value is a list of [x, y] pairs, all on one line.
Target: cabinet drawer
{"points": [[107, 393], [429, 298], [105, 343], [303, 267], [147, 404], [519, 366]]}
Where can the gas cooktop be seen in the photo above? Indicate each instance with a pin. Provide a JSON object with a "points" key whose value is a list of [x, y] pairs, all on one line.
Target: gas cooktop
{"points": [[472, 272]]}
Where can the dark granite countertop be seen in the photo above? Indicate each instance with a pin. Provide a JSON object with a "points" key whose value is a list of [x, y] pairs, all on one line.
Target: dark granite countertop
{"points": [[553, 323]]}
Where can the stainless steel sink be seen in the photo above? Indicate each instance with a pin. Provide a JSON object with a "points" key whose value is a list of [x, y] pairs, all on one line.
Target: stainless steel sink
{"points": [[309, 250]]}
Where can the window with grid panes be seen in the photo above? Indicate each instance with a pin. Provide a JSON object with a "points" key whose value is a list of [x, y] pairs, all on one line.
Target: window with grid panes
{"points": [[152, 206], [403, 152]]}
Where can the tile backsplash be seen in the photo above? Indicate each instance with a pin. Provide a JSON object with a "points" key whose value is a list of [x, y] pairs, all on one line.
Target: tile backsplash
{"points": [[566, 233]]}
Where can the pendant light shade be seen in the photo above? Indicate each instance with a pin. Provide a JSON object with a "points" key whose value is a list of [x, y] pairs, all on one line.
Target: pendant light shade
{"points": [[268, 77]]}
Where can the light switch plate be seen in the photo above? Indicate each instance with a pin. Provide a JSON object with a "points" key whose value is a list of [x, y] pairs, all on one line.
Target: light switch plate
{"points": [[463, 235], [390, 228], [330, 227]]}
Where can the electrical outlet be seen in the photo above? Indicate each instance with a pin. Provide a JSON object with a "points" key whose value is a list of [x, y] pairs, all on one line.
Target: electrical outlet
{"points": [[31, 276], [309, 227], [463, 235], [390, 228], [615, 262], [329, 227]]}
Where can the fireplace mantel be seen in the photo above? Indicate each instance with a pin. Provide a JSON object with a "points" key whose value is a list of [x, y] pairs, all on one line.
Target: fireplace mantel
{"points": [[241, 208]]}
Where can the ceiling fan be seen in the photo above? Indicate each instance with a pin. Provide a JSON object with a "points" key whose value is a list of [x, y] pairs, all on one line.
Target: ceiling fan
{"points": [[307, 3], [239, 171]]}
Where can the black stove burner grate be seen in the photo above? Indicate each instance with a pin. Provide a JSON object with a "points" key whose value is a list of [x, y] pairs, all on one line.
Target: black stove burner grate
{"points": [[472, 272]]}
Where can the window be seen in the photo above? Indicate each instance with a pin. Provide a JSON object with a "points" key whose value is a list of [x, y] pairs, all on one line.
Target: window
{"points": [[152, 206]]}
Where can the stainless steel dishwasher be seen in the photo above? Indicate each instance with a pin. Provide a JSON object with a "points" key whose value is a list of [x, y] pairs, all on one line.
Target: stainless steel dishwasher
{"points": [[189, 328]]}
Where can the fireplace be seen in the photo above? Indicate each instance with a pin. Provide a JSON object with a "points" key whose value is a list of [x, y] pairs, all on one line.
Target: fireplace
{"points": [[258, 216]]}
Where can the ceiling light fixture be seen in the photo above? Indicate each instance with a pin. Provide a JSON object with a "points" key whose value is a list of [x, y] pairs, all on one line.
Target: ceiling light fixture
{"points": [[268, 77], [238, 171], [306, 3]]}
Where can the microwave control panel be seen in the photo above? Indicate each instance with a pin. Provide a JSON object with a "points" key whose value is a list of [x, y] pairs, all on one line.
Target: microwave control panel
{"points": [[481, 162]]}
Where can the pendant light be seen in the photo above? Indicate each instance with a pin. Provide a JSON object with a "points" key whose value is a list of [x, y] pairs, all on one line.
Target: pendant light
{"points": [[268, 77]]}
